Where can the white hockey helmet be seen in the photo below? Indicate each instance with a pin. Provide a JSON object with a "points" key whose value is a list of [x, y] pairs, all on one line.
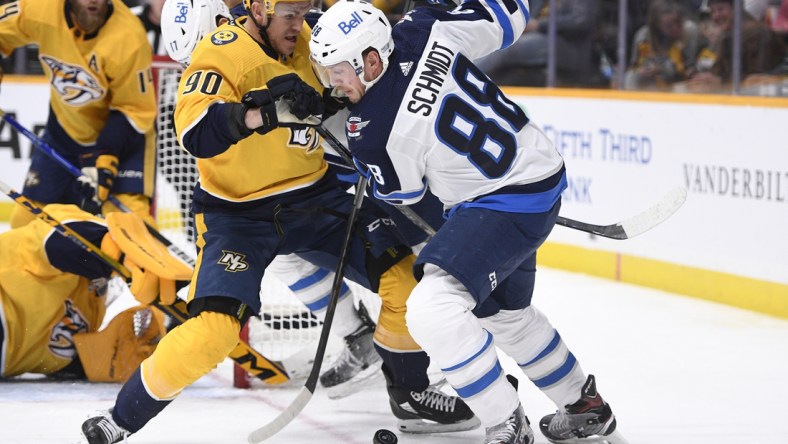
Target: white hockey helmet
{"points": [[185, 22], [344, 32]]}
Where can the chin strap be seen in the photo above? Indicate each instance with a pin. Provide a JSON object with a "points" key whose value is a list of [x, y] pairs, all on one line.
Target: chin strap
{"points": [[262, 30]]}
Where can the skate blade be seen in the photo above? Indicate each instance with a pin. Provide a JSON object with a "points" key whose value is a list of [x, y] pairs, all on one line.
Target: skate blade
{"points": [[423, 426], [368, 377], [613, 438]]}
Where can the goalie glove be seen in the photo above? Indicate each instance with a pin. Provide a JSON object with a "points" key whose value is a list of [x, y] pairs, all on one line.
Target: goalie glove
{"points": [[97, 180], [287, 101]]}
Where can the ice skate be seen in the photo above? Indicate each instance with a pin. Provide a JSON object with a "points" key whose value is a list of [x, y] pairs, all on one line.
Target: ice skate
{"points": [[359, 364], [429, 411], [589, 420], [101, 429], [515, 430]]}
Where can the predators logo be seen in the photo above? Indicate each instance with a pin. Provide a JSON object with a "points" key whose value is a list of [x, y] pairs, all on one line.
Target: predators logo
{"points": [[74, 84], [61, 340], [305, 138]]}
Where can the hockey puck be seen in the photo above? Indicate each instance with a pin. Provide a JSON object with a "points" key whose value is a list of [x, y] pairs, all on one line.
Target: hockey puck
{"points": [[384, 436]]}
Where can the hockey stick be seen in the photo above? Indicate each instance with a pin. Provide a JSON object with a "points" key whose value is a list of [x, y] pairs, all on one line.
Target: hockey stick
{"points": [[344, 152], [637, 224], [76, 172], [65, 230], [298, 404], [625, 229], [243, 354]]}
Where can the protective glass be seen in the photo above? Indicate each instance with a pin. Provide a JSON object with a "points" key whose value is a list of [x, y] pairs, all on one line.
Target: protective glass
{"points": [[335, 75], [292, 11]]}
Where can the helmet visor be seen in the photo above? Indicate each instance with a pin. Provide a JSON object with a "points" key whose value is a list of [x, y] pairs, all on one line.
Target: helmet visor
{"points": [[335, 75], [292, 10]]}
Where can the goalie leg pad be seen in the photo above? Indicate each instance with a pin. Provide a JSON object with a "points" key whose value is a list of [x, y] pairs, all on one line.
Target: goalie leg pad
{"points": [[133, 238], [189, 352], [112, 354]]}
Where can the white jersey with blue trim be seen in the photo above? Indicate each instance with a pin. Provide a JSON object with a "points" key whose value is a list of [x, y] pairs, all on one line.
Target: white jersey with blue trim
{"points": [[434, 119]]}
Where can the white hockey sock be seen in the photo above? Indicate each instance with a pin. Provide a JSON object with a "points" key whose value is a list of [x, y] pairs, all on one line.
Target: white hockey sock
{"points": [[312, 286], [440, 320], [528, 337]]}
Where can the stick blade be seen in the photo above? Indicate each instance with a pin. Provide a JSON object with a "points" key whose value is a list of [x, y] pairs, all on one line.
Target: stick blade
{"points": [[286, 417], [635, 225], [669, 204]]}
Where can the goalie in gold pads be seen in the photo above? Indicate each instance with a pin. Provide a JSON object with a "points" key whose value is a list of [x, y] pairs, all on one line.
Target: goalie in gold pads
{"points": [[52, 303], [246, 109], [102, 102]]}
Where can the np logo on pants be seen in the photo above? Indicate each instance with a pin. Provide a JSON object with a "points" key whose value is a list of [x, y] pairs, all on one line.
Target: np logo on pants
{"points": [[348, 26], [233, 261]]}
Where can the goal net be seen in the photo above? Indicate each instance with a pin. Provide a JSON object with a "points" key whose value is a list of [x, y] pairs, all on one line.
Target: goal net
{"points": [[285, 330]]}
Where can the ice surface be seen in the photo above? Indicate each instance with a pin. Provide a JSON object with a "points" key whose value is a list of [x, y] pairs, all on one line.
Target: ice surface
{"points": [[674, 369]]}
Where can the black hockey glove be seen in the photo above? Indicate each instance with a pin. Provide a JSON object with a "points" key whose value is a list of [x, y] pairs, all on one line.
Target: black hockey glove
{"points": [[334, 102], [287, 101]]}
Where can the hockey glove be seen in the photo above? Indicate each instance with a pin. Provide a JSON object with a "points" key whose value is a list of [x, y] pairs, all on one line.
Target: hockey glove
{"points": [[334, 101], [287, 101], [96, 182]]}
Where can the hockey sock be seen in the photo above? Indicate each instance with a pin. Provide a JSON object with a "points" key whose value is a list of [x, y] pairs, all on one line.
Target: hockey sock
{"points": [[528, 337]]}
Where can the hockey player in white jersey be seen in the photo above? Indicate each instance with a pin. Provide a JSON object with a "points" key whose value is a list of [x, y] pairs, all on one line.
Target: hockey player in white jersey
{"points": [[424, 115], [183, 26]]}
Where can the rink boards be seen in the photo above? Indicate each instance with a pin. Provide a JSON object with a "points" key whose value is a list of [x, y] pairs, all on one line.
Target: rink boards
{"points": [[623, 151]]}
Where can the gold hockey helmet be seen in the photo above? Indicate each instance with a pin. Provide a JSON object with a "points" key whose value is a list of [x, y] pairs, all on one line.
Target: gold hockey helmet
{"points": [[270, 5]]}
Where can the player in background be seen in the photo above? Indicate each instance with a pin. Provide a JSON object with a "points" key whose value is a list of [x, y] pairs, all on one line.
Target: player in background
{"points": [[424, 115], [52, 302], [246, 109], [149, 14], [102, 102], [185, 24]]}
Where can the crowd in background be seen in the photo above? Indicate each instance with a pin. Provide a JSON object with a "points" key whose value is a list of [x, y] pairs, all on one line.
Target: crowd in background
{"points": [[671, 45]]}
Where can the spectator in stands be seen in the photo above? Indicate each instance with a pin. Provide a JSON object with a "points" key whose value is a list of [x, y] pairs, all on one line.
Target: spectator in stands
{"points": [[524, 62], [762, 50], [780, 22], [756, 8], [52, 303], [664, 51]]}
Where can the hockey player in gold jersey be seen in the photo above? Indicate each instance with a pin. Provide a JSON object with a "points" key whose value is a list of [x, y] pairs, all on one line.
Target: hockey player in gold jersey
{"points": [[52, 303], [247, 106], [102, 103]]}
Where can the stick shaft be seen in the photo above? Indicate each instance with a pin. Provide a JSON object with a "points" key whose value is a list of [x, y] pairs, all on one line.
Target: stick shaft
{"points": [[76, 172], [64, 230], [298, 404]]}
